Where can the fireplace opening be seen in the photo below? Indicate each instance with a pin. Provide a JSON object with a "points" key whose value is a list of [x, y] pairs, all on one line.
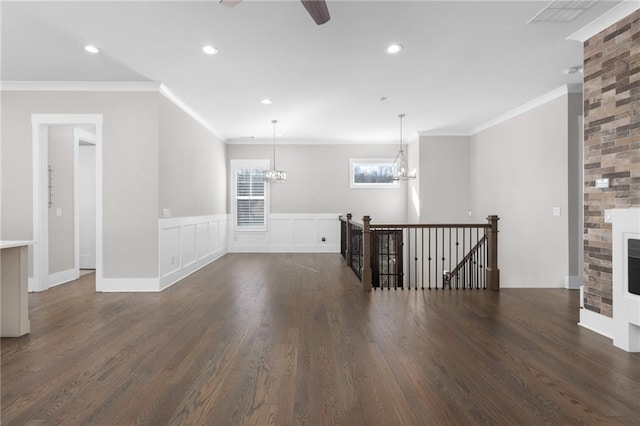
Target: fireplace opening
{"points": [[634, 266]]}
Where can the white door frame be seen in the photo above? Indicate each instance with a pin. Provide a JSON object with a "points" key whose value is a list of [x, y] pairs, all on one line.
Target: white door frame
{"points": [[39, 271], [79, 135]]}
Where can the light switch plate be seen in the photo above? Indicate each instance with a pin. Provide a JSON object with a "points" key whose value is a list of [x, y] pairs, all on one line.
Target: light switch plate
{"points": [[557, 211], [602, 183], [59, 212], [166, 212]]}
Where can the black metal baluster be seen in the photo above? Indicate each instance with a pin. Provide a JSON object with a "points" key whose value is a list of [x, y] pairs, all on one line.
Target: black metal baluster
{"points": [[408, 258], [477, 260], [415, 253], [443, 258], [464, 252], [436, 258], [457, 258], [449, 276], [422, 259], [429, 276], [388, 248]]}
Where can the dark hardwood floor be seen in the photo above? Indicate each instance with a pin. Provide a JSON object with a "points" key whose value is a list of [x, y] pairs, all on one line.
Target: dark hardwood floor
{"points": [[288, 339]]}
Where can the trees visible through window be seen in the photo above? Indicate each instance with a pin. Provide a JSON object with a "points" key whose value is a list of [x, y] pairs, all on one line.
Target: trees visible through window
{"points": [[371, 173]]}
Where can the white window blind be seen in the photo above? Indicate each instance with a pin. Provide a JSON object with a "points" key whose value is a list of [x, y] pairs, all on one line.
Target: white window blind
{"points": [[250, 198]]}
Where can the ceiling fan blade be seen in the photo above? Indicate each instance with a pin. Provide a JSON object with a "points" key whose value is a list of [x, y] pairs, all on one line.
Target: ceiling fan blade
{"points": [[318, 10], [229, 3]]}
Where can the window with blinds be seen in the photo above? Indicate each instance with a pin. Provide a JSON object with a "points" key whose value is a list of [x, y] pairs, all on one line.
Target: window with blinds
{"points": [[250, 198]]}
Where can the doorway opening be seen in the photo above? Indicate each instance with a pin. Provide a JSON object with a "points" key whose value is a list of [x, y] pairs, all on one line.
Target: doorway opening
{"points": [[61, 235]]}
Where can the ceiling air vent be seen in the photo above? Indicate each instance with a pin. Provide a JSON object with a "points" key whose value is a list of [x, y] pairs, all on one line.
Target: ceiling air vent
{"points": [[562, 11]]}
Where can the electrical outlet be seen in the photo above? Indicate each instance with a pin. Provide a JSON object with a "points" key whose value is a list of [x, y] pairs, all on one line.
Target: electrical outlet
{"points": [[324, 239], [173, 260]]}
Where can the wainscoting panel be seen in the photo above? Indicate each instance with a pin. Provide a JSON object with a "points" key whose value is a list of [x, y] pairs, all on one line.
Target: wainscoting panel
{"points": [[327, 229], [304, 232], [189, 243], [169, 250], [291, 233], [280, 235], [202, 240]]}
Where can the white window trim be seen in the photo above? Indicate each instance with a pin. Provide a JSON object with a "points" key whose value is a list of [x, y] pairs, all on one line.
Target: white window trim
{"points": [[234, 165]]}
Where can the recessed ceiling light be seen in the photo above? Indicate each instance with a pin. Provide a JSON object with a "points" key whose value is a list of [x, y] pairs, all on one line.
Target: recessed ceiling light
{"points": [[209, 50], [266, 102], [394, 48], [91, 49]]}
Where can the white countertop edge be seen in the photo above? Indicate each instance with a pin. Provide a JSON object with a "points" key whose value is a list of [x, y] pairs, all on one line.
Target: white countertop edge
{"points": [[10, 244]]}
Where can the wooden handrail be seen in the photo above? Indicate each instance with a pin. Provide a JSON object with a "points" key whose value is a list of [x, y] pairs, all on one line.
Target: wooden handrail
{"points": [[468, 256], [432, 226], [362, 266]]}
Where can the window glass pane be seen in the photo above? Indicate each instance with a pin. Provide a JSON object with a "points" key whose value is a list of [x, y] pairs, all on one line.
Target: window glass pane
{"points": [[250, 198], [257, 183]]}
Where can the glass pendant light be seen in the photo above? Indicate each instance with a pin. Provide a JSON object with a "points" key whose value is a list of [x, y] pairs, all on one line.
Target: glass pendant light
{"points": [[274, 175], [400, 168]]}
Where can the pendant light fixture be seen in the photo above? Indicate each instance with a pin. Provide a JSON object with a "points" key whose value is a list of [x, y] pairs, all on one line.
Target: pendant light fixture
{"points": [[400, 168], [274, 175]]}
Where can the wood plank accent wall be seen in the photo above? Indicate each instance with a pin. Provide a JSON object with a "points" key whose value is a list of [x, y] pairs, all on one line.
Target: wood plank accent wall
{"points": [[611, 147]]}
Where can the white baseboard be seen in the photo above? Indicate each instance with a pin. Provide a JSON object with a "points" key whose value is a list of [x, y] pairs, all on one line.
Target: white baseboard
{"points": [[124, 285], [63, 277], [572, 282], [287, 249], [596, 322], [177, 275]]}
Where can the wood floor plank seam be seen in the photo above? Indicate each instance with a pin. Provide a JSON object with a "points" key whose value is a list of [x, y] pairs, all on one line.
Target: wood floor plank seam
{"points": [[288, 339]]}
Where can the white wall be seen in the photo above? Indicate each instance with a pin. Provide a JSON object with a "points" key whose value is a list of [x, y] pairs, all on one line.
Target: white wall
{"points": [[193, 166], [413, 186], [130, 160], [61, 226], [444, 179], [519, 171], [318, 181]]}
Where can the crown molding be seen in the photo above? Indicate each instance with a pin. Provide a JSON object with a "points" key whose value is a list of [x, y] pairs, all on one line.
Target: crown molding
{"points": [[615, 14], [556, 93], [283, 141], [152, 86], [79, 86], [445, 133], [109, 86], [167, 93]]}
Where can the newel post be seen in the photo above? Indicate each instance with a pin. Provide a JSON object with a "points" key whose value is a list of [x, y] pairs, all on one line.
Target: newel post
{"points": [[366, 254], [347, 252], [493, 273]]}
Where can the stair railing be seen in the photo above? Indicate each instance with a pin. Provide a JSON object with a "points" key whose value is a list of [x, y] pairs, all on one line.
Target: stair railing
{"points": [[431, 256]]}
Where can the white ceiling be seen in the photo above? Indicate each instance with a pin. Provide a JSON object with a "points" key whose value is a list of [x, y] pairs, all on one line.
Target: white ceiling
{"points": [[464, 62]]}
